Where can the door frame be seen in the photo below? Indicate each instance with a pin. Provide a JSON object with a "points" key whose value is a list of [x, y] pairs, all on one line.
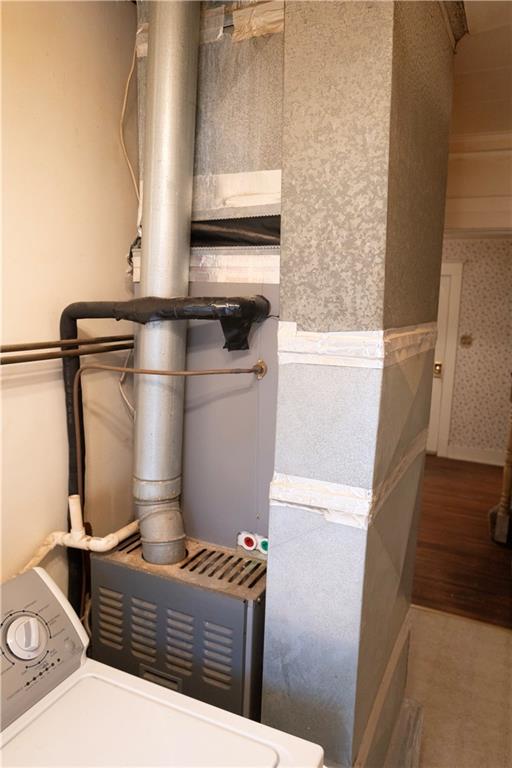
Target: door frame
{"points": [[454, 270]]}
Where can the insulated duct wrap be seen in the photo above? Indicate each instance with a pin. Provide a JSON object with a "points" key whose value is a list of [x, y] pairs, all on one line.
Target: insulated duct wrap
{"points": [[168, 172]]}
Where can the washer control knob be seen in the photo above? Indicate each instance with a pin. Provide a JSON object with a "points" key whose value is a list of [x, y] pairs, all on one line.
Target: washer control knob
{"points": [[27, 637]]}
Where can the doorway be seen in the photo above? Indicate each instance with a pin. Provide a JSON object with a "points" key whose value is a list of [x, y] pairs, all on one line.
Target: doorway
{"points": [[459, 568], [444, 358]]}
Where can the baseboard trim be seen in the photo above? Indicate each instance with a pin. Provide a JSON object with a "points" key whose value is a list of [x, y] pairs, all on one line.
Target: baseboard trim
{"points": [[478, 455]]}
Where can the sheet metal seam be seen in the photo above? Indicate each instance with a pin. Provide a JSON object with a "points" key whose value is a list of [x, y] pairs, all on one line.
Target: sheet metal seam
{"points": [[337, 503], [362, 349]]}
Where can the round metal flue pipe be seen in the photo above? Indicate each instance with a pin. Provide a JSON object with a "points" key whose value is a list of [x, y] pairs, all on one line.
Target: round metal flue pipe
{"points": [[167, 203]]}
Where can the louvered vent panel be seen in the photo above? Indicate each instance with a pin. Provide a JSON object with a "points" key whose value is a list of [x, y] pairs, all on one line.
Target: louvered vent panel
{"points": [[143, 629], [219, 567], [217, 666], [179, 642], [110, 618], [216, 568]]}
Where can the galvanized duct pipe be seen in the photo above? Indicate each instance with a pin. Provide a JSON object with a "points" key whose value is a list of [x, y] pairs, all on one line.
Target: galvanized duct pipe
{"points": [[168, 173]]}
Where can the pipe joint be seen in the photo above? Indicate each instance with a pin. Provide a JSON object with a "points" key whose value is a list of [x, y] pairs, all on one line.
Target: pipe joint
{"points": [[149, 491], [161, 531]]}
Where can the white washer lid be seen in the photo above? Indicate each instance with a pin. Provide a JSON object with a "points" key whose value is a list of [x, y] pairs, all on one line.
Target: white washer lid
{"points": [[114, 719]]}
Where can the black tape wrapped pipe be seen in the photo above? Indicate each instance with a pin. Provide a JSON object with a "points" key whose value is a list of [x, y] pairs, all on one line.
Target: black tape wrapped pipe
{"points": [[236, 315], [70, 365]]}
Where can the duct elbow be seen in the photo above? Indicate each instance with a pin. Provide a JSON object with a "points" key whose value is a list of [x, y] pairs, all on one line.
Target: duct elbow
{"points": [[161, 530]]}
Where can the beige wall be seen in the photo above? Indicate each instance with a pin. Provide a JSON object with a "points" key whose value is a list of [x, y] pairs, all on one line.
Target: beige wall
{"points": [[69, 217], [479, 191], [479, 207]]}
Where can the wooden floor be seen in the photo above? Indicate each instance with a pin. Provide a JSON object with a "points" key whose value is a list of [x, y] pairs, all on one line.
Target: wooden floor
{"points": [[458, 568]]}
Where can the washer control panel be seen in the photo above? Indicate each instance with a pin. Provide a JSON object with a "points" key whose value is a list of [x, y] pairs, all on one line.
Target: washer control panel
{"points": [[42, 641], [27, 637]]}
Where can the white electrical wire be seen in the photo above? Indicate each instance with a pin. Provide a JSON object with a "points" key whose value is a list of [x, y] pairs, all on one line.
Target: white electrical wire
{"points": [[121, 123], [122, 377]]}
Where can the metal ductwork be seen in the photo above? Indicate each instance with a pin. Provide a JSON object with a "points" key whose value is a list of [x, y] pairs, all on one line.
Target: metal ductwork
{"points": [[168, 175]]}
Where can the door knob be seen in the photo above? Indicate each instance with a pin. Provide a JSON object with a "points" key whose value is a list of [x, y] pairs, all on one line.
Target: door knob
{"points": [[438, 370]]}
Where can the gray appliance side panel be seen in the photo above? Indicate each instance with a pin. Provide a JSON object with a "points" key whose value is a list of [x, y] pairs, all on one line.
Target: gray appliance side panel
{"points": [[162, 623], [229, 429]]}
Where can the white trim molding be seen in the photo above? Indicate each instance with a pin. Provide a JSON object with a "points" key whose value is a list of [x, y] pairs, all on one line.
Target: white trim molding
{"points": [[478, 234], [479, 213], [337, 503], [361, 349], [487, 141], [494, 456], [452, 269]]}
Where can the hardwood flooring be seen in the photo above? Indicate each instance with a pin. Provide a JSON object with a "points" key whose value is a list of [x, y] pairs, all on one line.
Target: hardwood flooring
{"points": [[458, 568]]}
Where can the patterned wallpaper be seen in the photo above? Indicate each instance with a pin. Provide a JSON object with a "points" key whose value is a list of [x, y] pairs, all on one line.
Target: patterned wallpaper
{"points": [[482, 375]]}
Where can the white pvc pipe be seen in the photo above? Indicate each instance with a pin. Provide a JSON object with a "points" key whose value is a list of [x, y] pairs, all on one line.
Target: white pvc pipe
{"points": [[78, 539], [100, 543], [75, 516]]}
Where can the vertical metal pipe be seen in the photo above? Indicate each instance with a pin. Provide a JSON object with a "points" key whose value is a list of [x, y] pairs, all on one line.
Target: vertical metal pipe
{"points": [[168, 173]]}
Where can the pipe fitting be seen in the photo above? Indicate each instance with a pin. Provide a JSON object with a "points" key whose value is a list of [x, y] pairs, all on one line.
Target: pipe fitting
{"points": [[161, 531]]}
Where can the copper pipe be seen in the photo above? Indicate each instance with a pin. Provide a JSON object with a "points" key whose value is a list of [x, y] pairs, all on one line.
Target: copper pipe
{"points": [[259, 369], [93, 350], [63, 343]]}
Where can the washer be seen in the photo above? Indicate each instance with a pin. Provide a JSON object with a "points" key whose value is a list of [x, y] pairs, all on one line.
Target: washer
{"points": [[60, 708]]}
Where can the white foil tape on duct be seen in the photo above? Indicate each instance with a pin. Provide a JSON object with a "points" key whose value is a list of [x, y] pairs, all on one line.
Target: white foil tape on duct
{"points": [[212, 24], [141, 41], [345, 504], [258, 264], [257, 20], [254, 264], [227, 195], [364, 349], [136, 256]]}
